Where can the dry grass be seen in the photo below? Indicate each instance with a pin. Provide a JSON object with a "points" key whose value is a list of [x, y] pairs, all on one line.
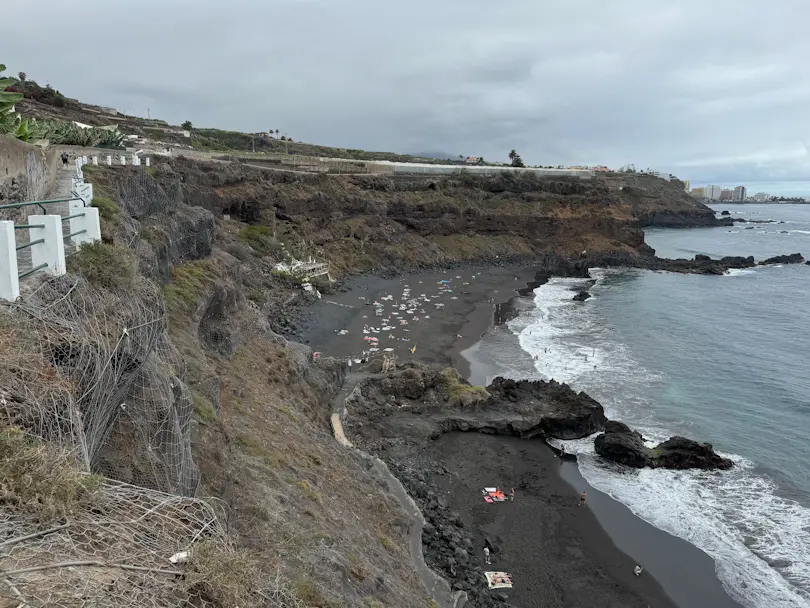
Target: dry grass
{"points": [[41, 478], [105, 266], [225, 578]]}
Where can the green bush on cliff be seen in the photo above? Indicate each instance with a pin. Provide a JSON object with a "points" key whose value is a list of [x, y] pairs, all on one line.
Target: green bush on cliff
{"points": [[459, 392], [107, 208], [188, 282], [104, 265], [261, 239]]}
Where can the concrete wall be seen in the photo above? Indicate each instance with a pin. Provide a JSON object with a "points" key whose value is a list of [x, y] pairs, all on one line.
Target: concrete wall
{"points": [[27, 172]]}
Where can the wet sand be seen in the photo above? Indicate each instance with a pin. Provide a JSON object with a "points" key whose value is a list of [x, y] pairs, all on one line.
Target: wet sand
{"points": [[560, 554]]}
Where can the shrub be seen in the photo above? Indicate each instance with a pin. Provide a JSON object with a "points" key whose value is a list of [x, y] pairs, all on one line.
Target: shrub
{"points": [[203, 407], [188, 282], [41, 478], [104, 265], [261, 239], [107, 208], [387, 543], [459, 392]]}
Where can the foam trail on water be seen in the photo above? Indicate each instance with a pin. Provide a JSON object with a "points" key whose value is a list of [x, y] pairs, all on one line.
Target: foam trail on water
{"points": [[759, 540]]}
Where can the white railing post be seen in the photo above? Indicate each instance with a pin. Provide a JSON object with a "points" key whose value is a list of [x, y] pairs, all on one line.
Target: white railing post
{"points": [[84, 160], [147, 161], [123, 159], [87, 223], [9, 279], [109, 160], [95, 160], [52, 250]]}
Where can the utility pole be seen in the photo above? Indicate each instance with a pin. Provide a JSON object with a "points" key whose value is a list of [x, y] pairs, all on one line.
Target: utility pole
{"points": [[148, 113], [253, 143]]}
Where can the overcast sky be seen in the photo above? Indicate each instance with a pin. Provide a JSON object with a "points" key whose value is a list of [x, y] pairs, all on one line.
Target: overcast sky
{"points": [[711, 90]]}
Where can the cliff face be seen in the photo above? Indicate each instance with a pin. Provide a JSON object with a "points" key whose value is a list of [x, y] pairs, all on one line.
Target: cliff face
{"points": [[662, 204], [364, 222]]}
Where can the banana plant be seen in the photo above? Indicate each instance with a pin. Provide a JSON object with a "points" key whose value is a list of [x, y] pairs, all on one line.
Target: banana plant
{"points": [[10, 121]]}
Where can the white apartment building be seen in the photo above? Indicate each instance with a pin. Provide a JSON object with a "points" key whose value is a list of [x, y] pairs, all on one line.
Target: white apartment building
{"points": [[713, 192], [740, 193]]}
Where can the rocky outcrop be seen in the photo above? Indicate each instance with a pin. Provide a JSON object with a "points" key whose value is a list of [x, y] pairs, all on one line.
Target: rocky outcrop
{"points": [[581, 296], [623, 445], [523, 408], [793, 258], [554, 265], [725, 212]]}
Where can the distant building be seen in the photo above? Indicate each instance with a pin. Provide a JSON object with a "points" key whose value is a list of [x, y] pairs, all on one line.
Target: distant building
{"points": [[761, 197], [726, 194], [698, 193], [473, 160], [686, 185], [740, 193], [713, 192]]}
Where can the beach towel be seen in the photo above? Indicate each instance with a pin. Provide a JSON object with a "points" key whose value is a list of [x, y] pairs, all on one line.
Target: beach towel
{"points": [[493, 495], [498, 580]]}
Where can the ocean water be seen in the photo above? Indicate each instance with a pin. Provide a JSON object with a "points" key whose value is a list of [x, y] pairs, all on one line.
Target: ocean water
{"points": [[720, 359]]}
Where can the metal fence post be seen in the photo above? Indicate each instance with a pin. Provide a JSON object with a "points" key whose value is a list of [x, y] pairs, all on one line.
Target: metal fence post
{"points": [[109, 160], [9, 280], [51, 250]]}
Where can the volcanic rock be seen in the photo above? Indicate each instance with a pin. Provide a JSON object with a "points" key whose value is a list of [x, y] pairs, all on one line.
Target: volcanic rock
{"points": [[793, 258], [623, 445], [581, 296]]}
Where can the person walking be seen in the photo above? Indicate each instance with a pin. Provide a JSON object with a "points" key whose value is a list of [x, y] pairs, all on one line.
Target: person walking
{"points": [[64, 157], [582, 498], [486, 555], [513, 495]]}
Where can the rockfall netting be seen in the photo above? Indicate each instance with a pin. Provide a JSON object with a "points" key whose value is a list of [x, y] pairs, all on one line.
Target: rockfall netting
{"points": [[93, 370], [116, 550]]}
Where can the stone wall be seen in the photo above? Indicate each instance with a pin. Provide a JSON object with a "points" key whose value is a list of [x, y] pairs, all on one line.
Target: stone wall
{"points": [[27, 172]]}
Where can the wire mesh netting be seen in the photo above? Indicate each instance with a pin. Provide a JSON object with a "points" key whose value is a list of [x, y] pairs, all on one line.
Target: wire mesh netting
{"points": [[116, 550]]}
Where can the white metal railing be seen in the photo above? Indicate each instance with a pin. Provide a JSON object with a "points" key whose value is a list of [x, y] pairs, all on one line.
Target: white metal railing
{"points": [[46, 238]]}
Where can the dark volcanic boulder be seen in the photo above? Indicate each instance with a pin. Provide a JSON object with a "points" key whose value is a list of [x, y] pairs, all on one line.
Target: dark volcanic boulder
{"points": [[793, 258], [623, 445], [702, 258], [558, 410], [682, 453], [725, 212], [581, 296]]}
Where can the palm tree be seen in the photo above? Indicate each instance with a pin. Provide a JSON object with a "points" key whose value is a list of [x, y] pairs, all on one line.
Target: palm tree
{"points": [[277, 132], [23, 77], [513, 154], [271, 133]]}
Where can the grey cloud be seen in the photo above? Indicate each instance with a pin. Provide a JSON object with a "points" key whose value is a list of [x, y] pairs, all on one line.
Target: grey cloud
{"points": [[713, 91]]}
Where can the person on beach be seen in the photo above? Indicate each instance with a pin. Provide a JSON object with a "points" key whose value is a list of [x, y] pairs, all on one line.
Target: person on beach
{"points": [[637, 570], [64, 157], [513, 495], [582, 498], [562, 451], [486, 555]]}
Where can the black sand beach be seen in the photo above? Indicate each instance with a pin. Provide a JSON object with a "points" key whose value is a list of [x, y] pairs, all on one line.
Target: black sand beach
{"points": [[559, 553]]}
